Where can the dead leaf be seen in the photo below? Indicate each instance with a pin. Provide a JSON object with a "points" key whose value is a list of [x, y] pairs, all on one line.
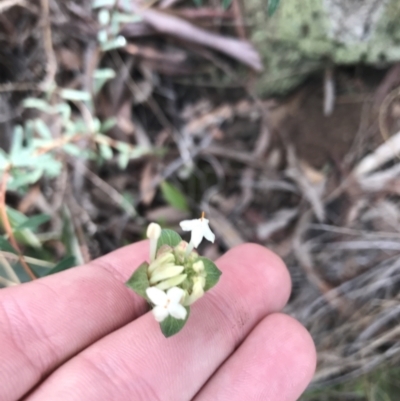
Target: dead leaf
{"points": [[147, 188]]}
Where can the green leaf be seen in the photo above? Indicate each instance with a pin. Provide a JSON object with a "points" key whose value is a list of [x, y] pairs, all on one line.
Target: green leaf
{"points": [[170, 326], [139, 281], [6, 246], [212, 271], [272, 6], [174, 196], [226, 3], [168, 237], [64, 264], [34, 222], [24, 236]]}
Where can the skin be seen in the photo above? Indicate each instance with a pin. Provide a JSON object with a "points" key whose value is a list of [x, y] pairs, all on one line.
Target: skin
{"points": [[82, 335]]}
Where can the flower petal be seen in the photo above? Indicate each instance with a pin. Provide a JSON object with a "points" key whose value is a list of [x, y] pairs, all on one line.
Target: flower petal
{"points": [[177, 311], [175, 295], [208, 234], [157, 296], [160, 313], [197, 236], [188, 225]]}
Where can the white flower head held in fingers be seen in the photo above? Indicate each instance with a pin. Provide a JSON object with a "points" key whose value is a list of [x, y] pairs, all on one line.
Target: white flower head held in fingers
{"points": [[200, 229], [176, 276], [167, 303]]}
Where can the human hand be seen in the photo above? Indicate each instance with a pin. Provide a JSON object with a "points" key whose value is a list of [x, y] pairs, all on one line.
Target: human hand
{"points": [[83, 335]]}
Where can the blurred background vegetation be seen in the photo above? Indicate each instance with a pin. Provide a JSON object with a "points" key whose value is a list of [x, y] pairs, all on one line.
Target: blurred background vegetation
{"points": [[279, 119]]}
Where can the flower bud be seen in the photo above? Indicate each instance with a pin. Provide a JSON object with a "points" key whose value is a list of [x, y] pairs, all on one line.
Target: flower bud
{"points": [[198, 266], [164, 249], [153, 231], [172, 282], [197, 291], [164, 272], [165, 259]]}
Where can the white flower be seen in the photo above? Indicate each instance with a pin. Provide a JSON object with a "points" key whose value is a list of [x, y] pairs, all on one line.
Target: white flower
{"points": [[199, 229], [167, 303]]}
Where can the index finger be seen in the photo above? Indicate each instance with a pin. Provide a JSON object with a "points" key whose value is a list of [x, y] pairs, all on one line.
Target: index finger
{"points": [[47, 321]]}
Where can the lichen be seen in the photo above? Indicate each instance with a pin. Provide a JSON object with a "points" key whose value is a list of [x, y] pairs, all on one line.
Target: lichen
{"points": [[302, 37]]}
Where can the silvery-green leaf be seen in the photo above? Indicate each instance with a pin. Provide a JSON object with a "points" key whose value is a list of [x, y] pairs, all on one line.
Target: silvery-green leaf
{"points": [[42, 129], [108, 124], [17, 141], [75, 95], [103, 3], [124, 18], [104, 17], [102, 36], [104, 73], [96, 124], [123, 160], [72, 149], [40, 104], [101, 76], [116, 43], [105, 151], [21, 179], [65, 110], [171, 326], [22, 158]]}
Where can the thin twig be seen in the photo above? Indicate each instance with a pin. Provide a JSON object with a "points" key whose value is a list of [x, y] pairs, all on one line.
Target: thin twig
{"points": [[7, 225], [51, 66]]}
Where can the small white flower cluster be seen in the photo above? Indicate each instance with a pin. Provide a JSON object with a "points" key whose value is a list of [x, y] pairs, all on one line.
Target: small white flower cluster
{"points": [[166, 274]]}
